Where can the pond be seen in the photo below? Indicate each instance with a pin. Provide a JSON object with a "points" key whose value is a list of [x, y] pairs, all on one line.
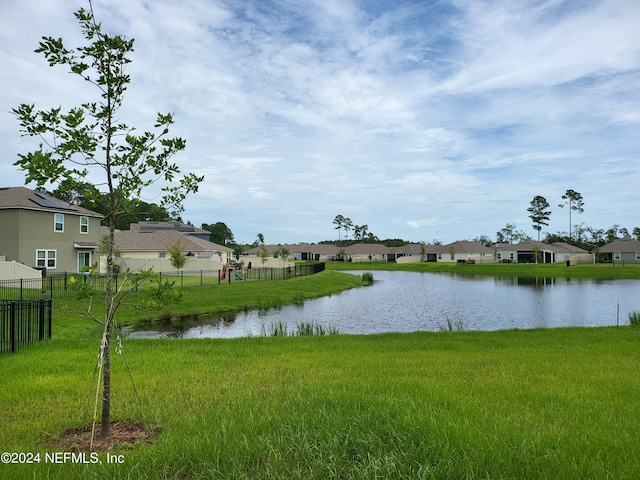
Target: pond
{"points": [[412, 301]]}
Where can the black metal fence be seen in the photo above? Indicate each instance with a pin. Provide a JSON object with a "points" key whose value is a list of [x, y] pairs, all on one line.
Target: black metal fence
{"points": [[23, 323], [53, 286], [60, 285], [270, 273]]}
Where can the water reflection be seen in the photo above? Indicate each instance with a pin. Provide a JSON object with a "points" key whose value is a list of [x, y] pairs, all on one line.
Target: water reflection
{"points": [[191, 326], [411, 301]]}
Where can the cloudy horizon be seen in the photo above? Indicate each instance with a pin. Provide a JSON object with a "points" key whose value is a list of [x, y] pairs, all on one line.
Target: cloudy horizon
{"points": [[421, 119]]}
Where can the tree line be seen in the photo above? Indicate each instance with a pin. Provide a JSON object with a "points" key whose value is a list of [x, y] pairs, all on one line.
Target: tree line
{"points": [[579, 234]]}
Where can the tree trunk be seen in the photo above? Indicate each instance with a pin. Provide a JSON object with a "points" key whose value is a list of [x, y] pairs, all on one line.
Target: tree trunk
{"points": [[108, 326], [106, 385]]}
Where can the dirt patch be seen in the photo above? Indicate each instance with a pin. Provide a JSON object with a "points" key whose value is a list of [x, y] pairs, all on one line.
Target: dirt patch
{"points": [[121, 434]]}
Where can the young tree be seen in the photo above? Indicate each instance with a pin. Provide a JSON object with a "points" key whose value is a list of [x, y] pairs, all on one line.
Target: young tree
{"points": [[282, 252], [539, 213], [574, 200], [177, 258], [90, 142]]}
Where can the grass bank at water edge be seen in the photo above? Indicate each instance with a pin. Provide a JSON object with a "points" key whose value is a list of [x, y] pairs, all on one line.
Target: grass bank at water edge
{"points": [[598, 271], [535, 404]]}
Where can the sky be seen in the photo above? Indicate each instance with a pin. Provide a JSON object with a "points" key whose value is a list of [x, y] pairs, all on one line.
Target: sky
{"points": [[424, 120]]}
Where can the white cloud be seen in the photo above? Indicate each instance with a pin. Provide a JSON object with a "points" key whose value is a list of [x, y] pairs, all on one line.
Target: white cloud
{"points": [[422, 120]]}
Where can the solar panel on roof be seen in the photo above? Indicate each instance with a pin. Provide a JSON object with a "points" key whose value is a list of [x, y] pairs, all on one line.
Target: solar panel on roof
{"points": [[50, 202]]}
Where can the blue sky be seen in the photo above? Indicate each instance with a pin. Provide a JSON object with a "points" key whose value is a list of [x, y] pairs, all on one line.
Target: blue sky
{"points": [[421, 119]]}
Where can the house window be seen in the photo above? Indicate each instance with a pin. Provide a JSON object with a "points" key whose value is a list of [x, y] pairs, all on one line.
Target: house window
{"points": [[499, 256], [616, 256], [58, 222], [84, 260], [162, 255], [84, 224], [637, 255], [511, 256], [46, 258]]}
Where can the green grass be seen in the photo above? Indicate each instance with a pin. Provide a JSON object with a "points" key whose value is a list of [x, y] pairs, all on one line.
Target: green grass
{"points": [[595, 271], [517, 404], [532, 404], [239, 296]]}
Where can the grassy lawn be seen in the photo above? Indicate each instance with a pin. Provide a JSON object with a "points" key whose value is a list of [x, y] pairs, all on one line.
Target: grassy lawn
{"points": [[559, 403], [598, 271]]}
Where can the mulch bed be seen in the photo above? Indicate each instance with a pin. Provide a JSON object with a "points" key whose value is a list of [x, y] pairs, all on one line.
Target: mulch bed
{"points": [[121, 434]]}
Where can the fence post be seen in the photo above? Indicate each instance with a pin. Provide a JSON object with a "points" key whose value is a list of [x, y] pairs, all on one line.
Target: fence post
{"points": [[41, 322], [12, 326], [21, 287], [49, 317]]}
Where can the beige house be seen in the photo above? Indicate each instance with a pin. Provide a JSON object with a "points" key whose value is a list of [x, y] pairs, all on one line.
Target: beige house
{"points": [[44, 232], [254, 256], [369, 252], [321, 252], [148, 248], [417, 252], [465, 251]]}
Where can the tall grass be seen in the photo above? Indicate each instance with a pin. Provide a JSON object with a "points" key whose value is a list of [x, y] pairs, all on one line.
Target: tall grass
{"points": [[532, 404], [367, 278], [314, 329], [279, 328], [634, 318], [452, 325]]}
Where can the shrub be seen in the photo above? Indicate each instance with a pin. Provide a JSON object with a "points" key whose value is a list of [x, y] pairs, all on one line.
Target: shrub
{"points": [[367, 278]]}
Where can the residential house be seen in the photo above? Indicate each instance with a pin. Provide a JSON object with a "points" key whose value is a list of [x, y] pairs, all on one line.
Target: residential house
{"points": [[621, 250], [321, 252], [465, 251], [369, 252], [174, 225], [148, 248], [416, 252], [41, 231], [537, 252], [566, 252], [254, 256], [524, 252]]}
